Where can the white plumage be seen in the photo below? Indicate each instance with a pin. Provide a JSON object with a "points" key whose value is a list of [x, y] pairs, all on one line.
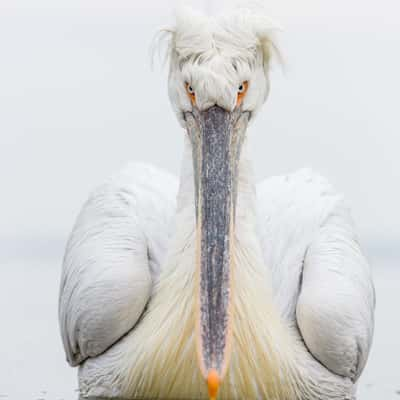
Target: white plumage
{"points": [[113, 258], [302, 294]]}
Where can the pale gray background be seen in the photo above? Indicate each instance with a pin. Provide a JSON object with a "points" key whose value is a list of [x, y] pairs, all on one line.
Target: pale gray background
{"points": [[78, 100]]}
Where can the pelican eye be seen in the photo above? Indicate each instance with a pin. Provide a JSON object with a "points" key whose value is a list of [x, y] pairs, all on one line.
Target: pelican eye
{"points": [[242, 90], [190, 92]]}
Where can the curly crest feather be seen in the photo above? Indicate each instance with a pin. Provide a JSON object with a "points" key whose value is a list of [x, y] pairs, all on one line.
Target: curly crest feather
{"points": [[216, 53]]}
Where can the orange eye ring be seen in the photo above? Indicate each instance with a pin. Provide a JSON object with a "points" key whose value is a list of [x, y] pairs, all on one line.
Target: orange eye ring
{"points": [[242, 90], [190, 92]]}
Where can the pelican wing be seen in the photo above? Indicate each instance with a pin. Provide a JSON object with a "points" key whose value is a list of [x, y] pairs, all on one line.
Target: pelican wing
{"points": [[320, 277], [113, 258]]}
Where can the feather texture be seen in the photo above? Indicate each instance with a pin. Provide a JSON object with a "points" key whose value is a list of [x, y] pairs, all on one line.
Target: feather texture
{"points": [[113, 255], [216, 54], [321, 279]]}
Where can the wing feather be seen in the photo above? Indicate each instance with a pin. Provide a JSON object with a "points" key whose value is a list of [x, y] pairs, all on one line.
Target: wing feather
{"points": [[112, 259], [335, 309], [320, 277]]}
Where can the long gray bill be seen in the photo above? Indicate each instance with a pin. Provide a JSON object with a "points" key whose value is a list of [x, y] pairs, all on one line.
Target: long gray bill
{"points": [[216, 136]]}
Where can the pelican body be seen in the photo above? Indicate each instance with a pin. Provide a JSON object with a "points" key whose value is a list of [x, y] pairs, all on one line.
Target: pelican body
{"points": [[213, 286]]}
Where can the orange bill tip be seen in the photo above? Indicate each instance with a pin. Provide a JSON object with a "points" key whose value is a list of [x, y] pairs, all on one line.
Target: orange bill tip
{"points": [[213, 384]]}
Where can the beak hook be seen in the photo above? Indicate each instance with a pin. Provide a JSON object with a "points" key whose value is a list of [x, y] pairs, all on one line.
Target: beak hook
{"points": [[213, 384]]}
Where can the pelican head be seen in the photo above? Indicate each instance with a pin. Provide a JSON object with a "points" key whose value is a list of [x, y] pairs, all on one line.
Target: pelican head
{"points": [[217, 82]]}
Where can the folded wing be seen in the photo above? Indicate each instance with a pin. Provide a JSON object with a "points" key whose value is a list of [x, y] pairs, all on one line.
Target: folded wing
{"points": [[113, 258], [321, 280], [335, 309]]}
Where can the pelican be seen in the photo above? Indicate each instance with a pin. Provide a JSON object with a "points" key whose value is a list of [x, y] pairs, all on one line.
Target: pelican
{"points": [[213, 286]]}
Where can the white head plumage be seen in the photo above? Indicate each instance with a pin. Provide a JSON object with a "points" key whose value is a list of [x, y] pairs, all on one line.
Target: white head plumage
{"points": [[215, 55]]}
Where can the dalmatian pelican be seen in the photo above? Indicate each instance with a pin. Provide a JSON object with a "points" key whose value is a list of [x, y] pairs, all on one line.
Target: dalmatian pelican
{"points": [[213, 286]]}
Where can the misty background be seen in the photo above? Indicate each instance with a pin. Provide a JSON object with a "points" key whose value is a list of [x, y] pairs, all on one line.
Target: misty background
{"points": [[79, 99]]}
